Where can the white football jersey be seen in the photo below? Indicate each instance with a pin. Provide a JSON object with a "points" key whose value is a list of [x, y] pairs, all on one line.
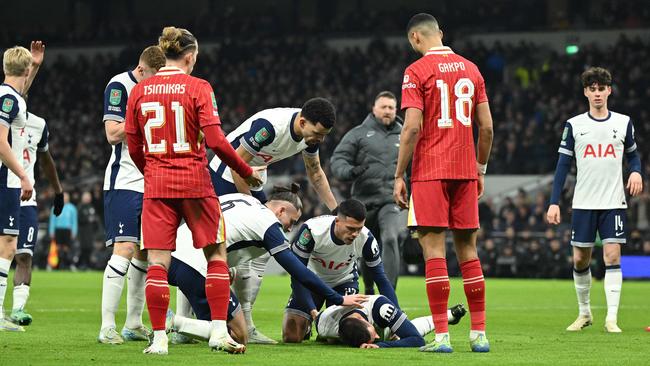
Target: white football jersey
{"points": [[268, 135], [251, 231], [330, 258], [121, 172], [13, 114], [380, 314], [598, 147], [36, 134]]}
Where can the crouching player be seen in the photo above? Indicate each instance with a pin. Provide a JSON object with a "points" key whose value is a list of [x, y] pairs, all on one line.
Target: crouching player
{"points": [[330, 246], [253, 230], [363, 328]]}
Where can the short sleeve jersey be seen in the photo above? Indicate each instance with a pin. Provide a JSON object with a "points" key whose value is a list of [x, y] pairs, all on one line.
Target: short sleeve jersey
{"points": [[446, 87]]}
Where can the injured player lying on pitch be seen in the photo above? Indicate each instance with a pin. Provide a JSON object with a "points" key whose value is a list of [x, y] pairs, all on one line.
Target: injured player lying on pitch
{"points": [[378, 324]]}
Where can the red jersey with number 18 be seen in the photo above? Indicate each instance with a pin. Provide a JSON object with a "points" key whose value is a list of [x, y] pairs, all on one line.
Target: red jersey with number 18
{"points": [[169, 110], [446, 87]]}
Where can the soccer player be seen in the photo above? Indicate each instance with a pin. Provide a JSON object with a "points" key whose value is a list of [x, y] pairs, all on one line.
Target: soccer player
{"points": [[597, 140], [36, 148], [247, 239], [266, 137], [330, 246], [361, 327], [123, 190], [442, 92], [20, 67], [168, 117]]}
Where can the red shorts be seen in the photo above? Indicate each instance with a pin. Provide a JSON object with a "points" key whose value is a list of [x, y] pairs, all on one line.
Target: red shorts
{"points": [[444, 203], [162, 216]]}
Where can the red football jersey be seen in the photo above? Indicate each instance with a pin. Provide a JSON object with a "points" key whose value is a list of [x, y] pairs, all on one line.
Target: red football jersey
{"points": [[168, 112], [446, 87]]}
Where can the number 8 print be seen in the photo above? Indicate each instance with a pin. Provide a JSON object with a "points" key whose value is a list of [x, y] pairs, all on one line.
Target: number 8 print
{"points": [[464, 91]]}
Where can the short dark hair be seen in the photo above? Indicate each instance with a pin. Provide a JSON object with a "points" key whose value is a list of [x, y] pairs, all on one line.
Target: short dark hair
{"points": [[596, 75], [319, 110], [287, 194], [419, 19], [353, 332], [352, 208], [385, 94]]}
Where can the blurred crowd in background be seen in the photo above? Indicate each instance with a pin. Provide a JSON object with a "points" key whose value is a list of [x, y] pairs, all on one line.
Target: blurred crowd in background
{"points": [[532, 92]]}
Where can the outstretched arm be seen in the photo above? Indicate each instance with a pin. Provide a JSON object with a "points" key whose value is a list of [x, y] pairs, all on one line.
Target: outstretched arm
{"points": [[38, 53], [318, 179]]}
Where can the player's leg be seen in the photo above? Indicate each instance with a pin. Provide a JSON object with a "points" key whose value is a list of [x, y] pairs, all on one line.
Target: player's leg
{"points": [[247, 286], [611, 226], [392, 225], [205, 221], [424, 324], [296, 322], [429, 213], [27, 240], [9, 230], [160, 220], [584, 226]]}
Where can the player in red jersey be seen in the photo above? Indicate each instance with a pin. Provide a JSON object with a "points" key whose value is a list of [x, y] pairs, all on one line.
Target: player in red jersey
{"points": [[168, 115], [441, 93]]}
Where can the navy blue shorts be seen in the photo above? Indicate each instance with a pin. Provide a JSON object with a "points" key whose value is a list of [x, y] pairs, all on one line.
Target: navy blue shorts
{"points": [[192, 284], [9, 211], [299, 307], [28, 230], [122, 211], [609, 224], [222, 186]]}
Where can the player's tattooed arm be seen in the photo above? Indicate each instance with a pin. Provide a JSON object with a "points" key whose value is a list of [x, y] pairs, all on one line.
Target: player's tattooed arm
{"points": [[239, 182], [318, 179]]}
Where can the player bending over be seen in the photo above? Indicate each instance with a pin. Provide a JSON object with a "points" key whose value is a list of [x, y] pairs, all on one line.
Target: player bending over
{"points": [[247, 239], [597, 140], [330, 246], [264, 138], [169, 116], [365, 327]]}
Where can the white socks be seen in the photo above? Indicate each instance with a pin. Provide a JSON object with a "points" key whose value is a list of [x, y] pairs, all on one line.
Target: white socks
{"points": [[613, 283], [193, 327], [21, 294], [4, 274], [247, 285], [183, 306], [112, 288], [424, 325], [136, 276], [582, 282]]}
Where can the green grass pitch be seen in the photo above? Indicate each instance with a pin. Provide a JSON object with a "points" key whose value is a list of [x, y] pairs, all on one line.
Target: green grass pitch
{"points": [[526, 322]]}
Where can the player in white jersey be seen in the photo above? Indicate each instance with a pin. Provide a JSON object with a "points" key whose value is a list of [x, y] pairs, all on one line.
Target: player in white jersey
{"points": [[366, 327], [265, 138], [330, 246], [597, 140], [123, 192], [247, 239], [20, 67], [36, 135]]}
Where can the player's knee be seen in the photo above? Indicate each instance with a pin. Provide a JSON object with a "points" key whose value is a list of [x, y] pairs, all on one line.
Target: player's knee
{"points": [[8, 248], [612, 254], [124, 249]]}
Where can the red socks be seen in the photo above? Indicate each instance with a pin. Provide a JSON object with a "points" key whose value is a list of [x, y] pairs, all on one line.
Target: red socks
{"points": [[474, 285], [437, 282], [217, 289], [157, 293]]}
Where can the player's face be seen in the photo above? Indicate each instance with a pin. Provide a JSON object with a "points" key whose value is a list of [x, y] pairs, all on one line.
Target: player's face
{"points": [[385, 110], [347, 228], [288, 216], [597, 95], [313, 133]]}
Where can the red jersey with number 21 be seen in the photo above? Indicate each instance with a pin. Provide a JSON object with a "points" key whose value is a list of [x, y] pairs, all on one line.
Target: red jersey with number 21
{"points": [[446, 87], [168, 111]]}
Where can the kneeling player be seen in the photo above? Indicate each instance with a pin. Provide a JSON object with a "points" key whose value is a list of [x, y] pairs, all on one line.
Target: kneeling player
{"points": [[329, 246], [360, 327], [247, 239]]}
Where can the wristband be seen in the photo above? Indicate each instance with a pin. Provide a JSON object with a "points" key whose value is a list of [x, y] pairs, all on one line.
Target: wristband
{"points": [[482, 168]]}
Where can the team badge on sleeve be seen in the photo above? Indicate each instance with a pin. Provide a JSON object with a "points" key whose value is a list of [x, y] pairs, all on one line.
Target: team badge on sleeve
{"points": [[214, 104], [262, 135], [115, 97], [7, 105], [304, 239]]}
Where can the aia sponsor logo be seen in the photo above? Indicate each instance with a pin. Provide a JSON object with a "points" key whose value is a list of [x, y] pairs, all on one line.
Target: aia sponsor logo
{"points": [[599, 151]]}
